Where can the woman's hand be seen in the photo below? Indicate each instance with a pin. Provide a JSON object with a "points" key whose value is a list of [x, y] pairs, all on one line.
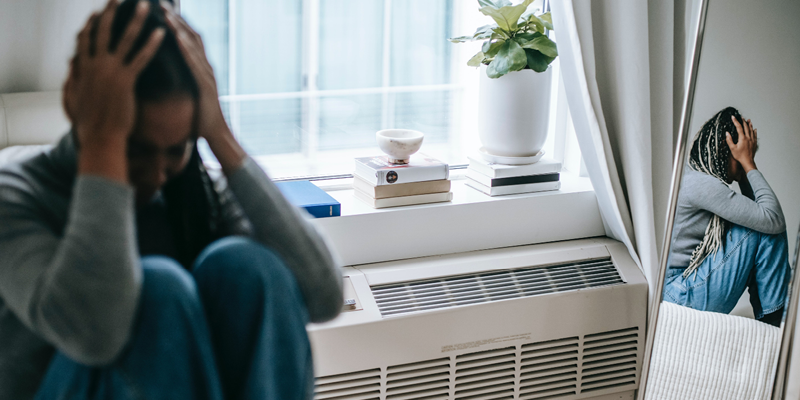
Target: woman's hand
{"points": [[211, 123], [744, 150], [99, 94]]}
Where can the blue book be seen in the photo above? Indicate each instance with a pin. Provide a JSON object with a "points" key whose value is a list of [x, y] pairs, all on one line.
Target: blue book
{"points": [[307, 195]]}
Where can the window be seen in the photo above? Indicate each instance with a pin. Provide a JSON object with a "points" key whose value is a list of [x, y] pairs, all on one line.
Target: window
{"points": [[306, 84]]}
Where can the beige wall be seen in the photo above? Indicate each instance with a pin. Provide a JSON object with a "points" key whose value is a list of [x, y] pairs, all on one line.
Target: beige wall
{"points": [[37, 38], [751, 60]]}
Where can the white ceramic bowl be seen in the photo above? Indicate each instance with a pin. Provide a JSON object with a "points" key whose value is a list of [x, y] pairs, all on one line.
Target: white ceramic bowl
{"points": [[399, 144]]}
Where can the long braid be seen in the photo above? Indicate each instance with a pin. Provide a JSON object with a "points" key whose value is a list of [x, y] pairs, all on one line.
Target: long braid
{"points": [[710, 154]]}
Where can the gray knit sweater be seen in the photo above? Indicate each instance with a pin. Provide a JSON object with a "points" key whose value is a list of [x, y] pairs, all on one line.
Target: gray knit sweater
{"points": [[70, 272], [703, 195]]}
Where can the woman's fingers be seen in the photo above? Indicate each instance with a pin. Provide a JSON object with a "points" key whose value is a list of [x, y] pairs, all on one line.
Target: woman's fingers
{"points": [[739, 128], [104, 27], [134, 28], [729, 140], [148, 51], [84, 38]]}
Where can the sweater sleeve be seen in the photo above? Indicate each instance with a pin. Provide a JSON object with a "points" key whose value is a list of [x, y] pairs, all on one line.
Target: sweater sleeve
{"points": [[78, 291], [284, 228], [764, 214]]}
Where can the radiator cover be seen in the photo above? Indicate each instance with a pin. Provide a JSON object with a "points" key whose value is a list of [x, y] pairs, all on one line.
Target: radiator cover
{"points": [[577, 333]]}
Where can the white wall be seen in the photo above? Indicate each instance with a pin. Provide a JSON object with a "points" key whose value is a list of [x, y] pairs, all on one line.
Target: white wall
{"points": [[37, 38], [751, 61]]}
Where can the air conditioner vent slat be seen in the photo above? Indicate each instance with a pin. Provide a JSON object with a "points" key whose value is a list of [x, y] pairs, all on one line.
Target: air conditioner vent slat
{"points": [[428, 380], [608, 375], [609, 368], [418, 366], [484, 374], [432, 294], [484, 390], [630, 355], [607, 384], [428, 388], [534, 367], [341, 395], [558, 369], [549, 373]]}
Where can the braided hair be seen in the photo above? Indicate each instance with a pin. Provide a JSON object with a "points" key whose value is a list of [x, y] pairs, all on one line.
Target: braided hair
{"points": [[710, 154]]}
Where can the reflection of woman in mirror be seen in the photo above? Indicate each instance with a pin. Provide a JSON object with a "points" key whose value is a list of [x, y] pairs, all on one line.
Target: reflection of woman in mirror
{"points": [[723, 241]]}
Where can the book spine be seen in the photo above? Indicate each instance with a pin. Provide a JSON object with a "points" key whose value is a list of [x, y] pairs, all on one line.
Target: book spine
{"points": [[325, 210], [413, 174]]}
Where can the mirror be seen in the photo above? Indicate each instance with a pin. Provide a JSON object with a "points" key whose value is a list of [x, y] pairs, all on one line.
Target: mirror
{"points": [[719, 315]]}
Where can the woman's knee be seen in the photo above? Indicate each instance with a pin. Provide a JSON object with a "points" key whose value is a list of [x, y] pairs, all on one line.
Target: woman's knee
{"points": [[166, 282], [240, 256]]}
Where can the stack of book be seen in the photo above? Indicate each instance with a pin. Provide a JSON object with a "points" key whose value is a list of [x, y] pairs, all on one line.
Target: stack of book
{"points": [[499, 179], [382, 184]]}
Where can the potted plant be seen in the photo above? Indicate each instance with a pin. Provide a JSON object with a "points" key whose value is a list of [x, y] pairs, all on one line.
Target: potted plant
{"points": [[514, 110]]}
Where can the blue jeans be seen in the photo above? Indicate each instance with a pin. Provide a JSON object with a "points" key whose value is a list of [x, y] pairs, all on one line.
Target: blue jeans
{"points": [[749, 259], [232, 329]]}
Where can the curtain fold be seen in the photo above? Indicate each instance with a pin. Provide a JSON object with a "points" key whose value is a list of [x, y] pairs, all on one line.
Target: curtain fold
{"points": [[606, 53]]}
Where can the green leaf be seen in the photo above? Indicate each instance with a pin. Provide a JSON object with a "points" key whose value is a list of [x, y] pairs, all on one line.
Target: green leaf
{"points": [[526, 36], [537, 61], [476, 60], [506, 17], [490, 49], [484, 32], [543, 44], [500, 34], [537, 23], [461, 39], [527, 15], [547, 19], [511, 57]]}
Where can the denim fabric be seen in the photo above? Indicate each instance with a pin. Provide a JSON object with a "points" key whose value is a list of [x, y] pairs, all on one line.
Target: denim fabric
{"points": [[232, 329], [748, 259]]}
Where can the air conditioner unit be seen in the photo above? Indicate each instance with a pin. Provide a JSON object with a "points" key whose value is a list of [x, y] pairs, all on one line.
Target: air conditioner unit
{"points": [[560, 320]]}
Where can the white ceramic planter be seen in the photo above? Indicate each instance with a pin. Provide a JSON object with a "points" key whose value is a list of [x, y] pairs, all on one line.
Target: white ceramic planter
{"points": [[514, 112]]}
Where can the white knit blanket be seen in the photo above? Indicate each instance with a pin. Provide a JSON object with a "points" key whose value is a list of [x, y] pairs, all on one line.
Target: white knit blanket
{"points": [[701, 355]]}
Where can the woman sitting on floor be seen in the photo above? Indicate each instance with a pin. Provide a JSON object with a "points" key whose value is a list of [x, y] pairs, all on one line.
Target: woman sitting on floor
{"points": [[724, 242], [126, 271]]}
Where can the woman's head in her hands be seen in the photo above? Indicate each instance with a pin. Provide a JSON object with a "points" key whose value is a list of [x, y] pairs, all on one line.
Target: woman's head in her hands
{"points": [[710, 152], [162, 140]]}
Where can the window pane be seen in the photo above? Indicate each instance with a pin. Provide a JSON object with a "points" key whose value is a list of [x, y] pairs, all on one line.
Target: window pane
{"points": [[350, 43], [267, 126], [420, 52], [210, 19], [348, 122], [427, 112], [268, 46]]}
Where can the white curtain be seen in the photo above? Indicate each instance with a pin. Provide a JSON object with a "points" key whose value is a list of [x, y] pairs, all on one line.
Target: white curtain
{"points": [[617, 66]]}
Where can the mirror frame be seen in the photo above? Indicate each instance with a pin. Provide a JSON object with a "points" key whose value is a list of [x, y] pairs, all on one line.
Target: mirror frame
{"points": [[790, 316]]}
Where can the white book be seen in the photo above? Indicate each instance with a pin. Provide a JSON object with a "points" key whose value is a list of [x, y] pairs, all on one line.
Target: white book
{"points": [[514, 189], [404, 200], [492, 170], [379, 171]]}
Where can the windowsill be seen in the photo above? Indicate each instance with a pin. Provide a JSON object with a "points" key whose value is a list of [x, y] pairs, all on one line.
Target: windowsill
{"points": [[472, 221]]}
